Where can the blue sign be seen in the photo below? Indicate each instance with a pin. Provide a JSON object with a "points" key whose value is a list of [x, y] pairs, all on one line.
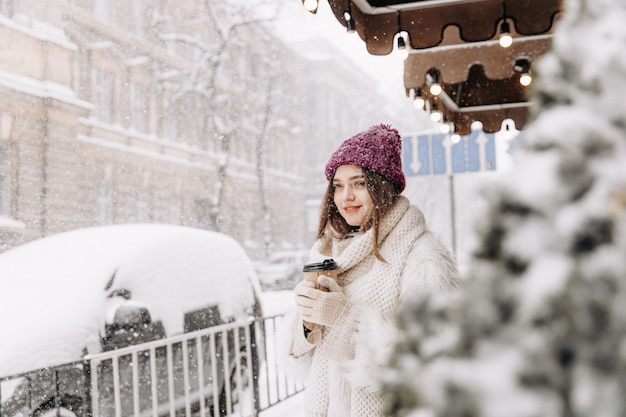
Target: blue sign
{"points": [[427, 154]]}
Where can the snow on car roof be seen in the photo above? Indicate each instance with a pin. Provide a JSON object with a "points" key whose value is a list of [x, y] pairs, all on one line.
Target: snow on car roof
{"points": [[53, 296]]}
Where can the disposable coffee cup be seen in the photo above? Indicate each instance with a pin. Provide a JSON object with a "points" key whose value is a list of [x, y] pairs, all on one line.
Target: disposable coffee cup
{"points": [[327, 267]]}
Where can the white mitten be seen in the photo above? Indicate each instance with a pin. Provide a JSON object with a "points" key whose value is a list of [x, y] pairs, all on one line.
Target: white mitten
{"points": [[321, 307], [297, 291]]}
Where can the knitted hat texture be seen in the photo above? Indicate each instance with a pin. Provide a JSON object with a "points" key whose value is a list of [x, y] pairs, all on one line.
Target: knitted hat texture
{"points": [[378, 148]]}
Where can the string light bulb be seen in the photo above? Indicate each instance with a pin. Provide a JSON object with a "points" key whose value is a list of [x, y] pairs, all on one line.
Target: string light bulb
{"points": [[403, 52], [506, 40], [454, 136], [435, 86], [435, 89], [418, 99], [350, 26], [522, 66], [311, 5], [526, 79], [435, 114]]}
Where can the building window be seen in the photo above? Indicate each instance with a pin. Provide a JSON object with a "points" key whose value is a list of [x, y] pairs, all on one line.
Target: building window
{"points": [[104, 96], [5, 180], [140, 109], [201, 214], [143, 210], [105, 197], [144, 200], [172, 128], [174, 210], [105, 203]]}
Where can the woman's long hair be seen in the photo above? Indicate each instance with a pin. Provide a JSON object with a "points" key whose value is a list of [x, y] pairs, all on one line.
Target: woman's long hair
{"points": [[383, 193]]}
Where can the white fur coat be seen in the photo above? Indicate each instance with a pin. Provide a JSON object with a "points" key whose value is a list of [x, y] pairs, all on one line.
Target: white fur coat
{"points": [[339, 364]]}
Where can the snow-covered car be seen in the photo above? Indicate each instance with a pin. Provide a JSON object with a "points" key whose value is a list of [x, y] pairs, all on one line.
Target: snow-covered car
{"points": [[283, 270], [104, 288]]}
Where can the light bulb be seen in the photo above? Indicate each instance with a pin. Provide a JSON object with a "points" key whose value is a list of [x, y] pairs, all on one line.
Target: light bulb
{"points": [[522, 65], [476, 125], [455, 138], [403, 52], [436, 116], [350, 26], [505, 35], [418, 99], [435, 89], [506, 40], [444, 128], [310, 5], [525, 79]]}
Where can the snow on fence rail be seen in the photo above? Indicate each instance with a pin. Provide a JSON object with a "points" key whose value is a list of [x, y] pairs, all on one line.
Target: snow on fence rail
{"points": [[230, 369]]}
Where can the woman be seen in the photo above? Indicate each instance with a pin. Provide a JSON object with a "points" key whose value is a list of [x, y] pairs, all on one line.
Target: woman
{"points": [[340, 339]]}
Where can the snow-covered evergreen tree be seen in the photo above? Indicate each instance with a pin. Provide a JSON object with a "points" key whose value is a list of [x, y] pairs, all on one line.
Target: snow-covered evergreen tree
{"points": [[539, 328]]}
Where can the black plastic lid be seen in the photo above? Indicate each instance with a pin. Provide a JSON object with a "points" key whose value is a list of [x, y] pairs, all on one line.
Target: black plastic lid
{"points": [[326, 265]]}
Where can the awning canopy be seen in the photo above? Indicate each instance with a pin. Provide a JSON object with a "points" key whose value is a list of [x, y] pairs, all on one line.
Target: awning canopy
{"points": [[455, 43]]}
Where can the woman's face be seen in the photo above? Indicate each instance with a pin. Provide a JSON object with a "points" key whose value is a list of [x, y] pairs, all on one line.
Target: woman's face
{"points": [[350, 194]]}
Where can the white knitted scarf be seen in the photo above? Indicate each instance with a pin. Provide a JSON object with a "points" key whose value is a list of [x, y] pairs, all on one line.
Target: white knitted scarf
{"points": [[372, 288]]}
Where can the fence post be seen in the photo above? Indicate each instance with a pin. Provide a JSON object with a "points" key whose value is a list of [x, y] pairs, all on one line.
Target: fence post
{"points": [[57, 393], [255, 367], [87, 411]]}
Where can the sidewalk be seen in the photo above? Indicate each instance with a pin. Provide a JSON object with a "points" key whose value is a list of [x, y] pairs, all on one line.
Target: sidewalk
{"points": [[291, 407]]}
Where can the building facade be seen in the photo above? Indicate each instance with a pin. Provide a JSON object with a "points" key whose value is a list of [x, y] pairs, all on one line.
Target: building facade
{"points": [[185, 112]]}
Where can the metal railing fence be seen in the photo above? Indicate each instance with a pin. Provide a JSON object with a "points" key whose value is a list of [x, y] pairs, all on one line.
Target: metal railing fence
{"points": [[230, 369]]}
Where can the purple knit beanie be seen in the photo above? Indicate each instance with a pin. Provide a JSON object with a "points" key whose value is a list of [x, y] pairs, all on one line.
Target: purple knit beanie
{"points": [[378, 148]]}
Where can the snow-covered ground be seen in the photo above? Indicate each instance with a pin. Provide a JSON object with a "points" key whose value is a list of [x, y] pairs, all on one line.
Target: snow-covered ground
{"points": [[291, 407]]}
